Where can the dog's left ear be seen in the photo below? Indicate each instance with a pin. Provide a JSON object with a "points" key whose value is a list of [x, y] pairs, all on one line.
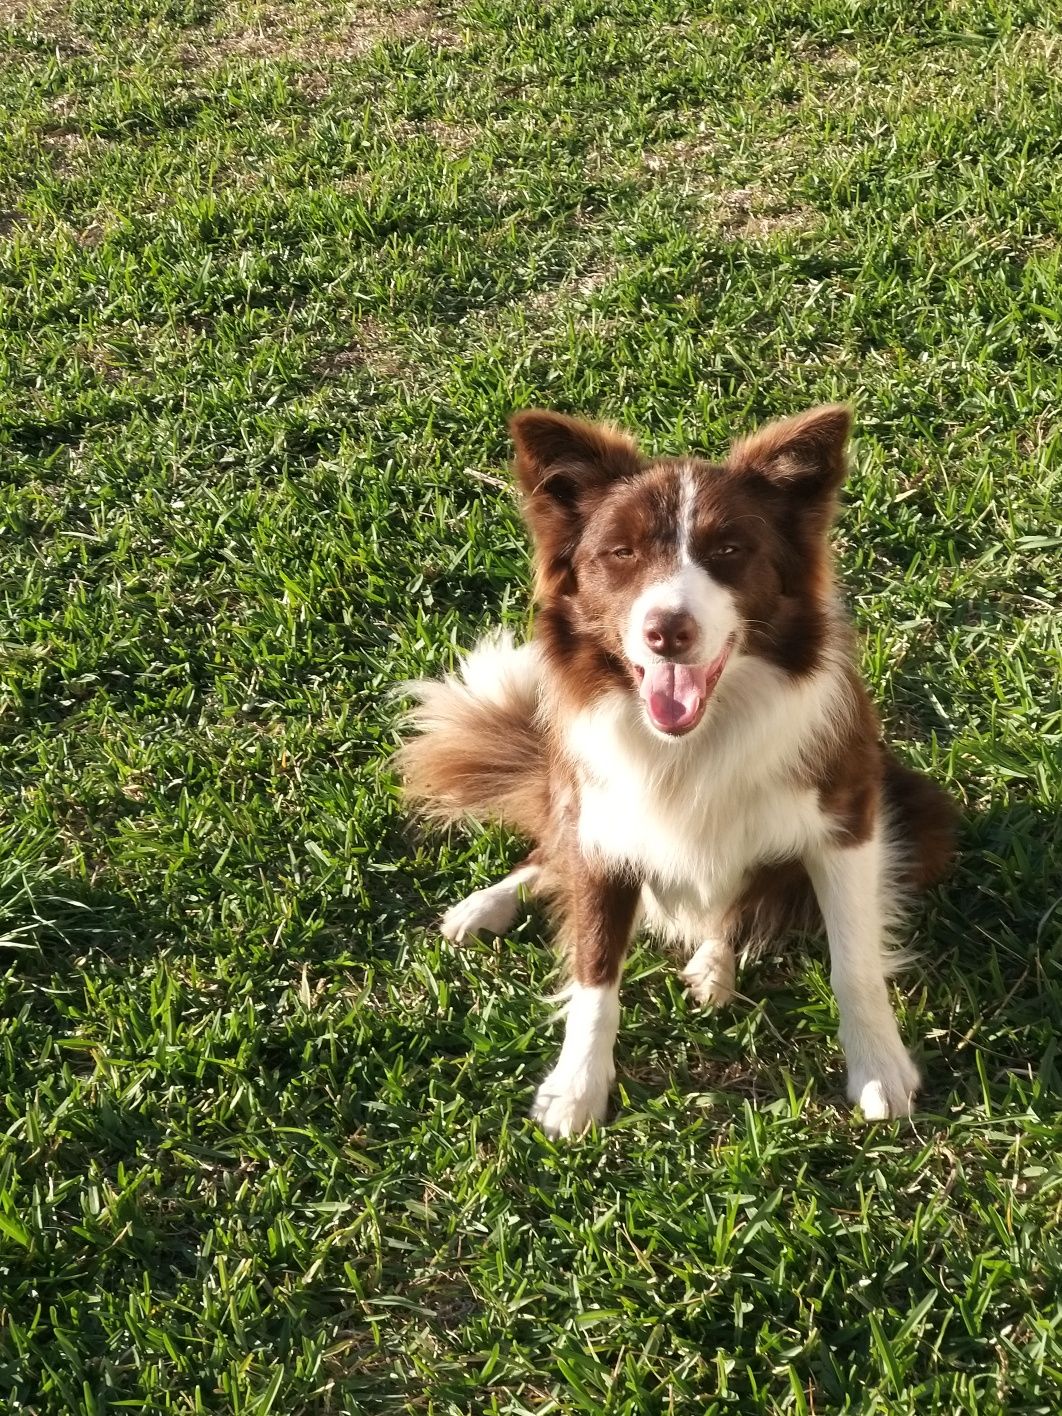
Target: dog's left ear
{"points": [[804, 455]]}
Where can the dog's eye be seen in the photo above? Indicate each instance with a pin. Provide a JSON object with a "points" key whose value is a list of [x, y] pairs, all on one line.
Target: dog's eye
{"points": [[727, 549], [621, 553]]}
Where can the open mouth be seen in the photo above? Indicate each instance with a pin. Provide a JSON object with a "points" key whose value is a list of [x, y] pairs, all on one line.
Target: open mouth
{"points": [[676, 695]]}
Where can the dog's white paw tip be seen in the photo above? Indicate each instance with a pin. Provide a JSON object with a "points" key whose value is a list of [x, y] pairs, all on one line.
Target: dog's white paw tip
{"points": [[885, 1093], [567, 1111], [874, 1102], [453, 924], [481, 913], [710, 977]]}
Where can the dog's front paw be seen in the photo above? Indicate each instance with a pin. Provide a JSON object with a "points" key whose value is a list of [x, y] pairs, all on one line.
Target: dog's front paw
{"points": [[567, 1105], [710, 974], [883, 1084]]}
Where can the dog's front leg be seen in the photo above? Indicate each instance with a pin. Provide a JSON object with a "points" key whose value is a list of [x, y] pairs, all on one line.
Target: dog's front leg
{"points": [[849, 882], [600, 909]]}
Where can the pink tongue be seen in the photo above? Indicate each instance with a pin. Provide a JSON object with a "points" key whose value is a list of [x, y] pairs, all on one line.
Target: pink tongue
{"points": [[674, 693]]}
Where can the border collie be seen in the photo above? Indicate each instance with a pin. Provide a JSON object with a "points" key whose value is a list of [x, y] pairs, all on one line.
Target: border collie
{"points": [[685, 739]]}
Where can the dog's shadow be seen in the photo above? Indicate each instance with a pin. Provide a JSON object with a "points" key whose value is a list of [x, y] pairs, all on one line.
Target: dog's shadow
{"points": [[991, 966], [986, 982], [982, 996]]}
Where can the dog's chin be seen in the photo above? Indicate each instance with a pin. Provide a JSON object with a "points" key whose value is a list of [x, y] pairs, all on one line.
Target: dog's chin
{"points": [[674, 698]]}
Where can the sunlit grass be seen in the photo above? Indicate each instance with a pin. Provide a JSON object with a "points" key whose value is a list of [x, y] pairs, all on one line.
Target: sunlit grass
{"points": [[273, 278]]}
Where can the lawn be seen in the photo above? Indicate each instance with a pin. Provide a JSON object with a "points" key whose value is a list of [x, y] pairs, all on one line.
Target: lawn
{"points": [[273, 277]]}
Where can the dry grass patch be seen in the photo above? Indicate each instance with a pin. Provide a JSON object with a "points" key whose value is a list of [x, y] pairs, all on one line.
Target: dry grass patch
{"points": [[315, 35], [543, 305], [754, 214], [455, 139], [374, 348], [45, 21], [70, 150], [708, 167]]}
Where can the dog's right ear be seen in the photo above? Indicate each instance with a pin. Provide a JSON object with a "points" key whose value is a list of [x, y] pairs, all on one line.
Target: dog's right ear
{"points": [[563, 458], [562, 464]]}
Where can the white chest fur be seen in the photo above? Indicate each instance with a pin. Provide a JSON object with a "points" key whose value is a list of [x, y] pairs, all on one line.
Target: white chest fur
{"points": [[694, 815]]}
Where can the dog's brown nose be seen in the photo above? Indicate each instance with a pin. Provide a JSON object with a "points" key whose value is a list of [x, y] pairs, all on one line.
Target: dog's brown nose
{"points": [[669, 632]]}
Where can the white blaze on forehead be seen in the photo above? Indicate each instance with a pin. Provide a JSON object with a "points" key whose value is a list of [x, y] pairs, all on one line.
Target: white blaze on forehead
{"points": [[687, 506], [686, 588]]}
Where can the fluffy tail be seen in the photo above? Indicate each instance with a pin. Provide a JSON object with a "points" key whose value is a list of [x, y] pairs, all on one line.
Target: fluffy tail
{"points": [[924, 820], [477, 750]]}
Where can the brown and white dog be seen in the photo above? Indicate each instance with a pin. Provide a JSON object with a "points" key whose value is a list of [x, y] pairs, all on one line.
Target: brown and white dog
{"points": [[685, 739]]}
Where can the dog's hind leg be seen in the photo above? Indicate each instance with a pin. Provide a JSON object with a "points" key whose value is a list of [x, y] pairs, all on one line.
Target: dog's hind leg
{"points": [[710, 973], [491, 911]]}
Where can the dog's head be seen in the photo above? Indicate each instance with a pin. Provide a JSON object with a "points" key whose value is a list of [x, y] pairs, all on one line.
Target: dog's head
{"points": [[661, 573]]}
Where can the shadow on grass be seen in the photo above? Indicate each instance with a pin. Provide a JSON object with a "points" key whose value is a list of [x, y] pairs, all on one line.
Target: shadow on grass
{"points": [[987, 978], [59, 919], [984, 988]]}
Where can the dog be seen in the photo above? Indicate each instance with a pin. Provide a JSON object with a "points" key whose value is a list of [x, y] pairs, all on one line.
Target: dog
{"points": [[685, 740]]}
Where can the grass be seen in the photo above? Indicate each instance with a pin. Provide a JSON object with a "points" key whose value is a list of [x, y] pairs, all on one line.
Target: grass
{"points": [[274, 277]]}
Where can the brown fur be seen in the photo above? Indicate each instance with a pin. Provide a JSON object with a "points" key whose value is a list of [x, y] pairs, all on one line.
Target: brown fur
{"points": [[563, 466], [848, 780], [778, 899], [587, 491], [925, 818], [468, 758], [761, 524], [598, 910]]}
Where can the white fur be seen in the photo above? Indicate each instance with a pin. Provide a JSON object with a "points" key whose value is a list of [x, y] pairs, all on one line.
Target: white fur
{"points": [[489, 911], [687, 506], [693, 817], [692, 589], [710, 973], [496, 671], [850, 883], [694, 814], [576, 1092], [501, 672]]}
